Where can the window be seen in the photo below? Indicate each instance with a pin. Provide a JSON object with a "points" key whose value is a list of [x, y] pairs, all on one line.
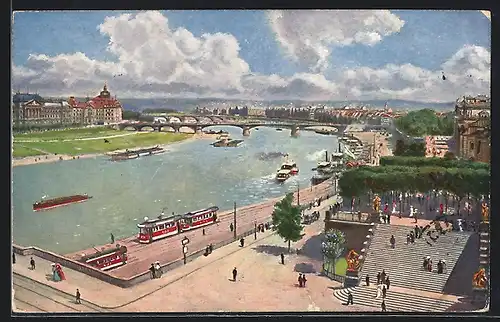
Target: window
{"points": [[478, 147], [472, 146]]}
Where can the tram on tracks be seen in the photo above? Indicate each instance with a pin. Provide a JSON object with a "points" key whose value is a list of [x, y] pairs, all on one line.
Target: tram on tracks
{"points": [[162, 227]]}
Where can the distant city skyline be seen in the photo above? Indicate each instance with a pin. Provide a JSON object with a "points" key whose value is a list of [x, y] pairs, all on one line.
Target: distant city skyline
{"points": [[342, 55]]}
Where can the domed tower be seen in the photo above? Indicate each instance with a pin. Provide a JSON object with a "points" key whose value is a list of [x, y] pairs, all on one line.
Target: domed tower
{"points": [[104, 92]]}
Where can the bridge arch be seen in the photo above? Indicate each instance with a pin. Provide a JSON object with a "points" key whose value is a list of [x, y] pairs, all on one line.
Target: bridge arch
{"points": [[128, 128], [146, 128], [167, 128], [187, 129]]}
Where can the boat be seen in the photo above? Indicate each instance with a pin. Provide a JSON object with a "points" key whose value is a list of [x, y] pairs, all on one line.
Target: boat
{"points": [[291, 166], [319, 178], [282, 175], [325, 131], [227, 142], [278, 129], [324, 167], [134, 154], [161, 227], [45, 204], [106, 259], [337, 159]]}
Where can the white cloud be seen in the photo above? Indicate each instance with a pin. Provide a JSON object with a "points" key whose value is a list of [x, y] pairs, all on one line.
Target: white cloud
{"points": [[307, 35], [153, 60]]}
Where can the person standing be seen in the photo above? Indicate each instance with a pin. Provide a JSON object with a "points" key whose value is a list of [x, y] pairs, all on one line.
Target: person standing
{"points": [[78, 297], [350, 299], [383, 306], [235, 274], [304, 280], [203, 231], [387, 282], [242, 242], [32, 264], [112, 238], [231, 227], [153, 271], [367, 280], [384, 291], [282, 259], [300, 280], [393, 241], [13, 258], [378, 278]]}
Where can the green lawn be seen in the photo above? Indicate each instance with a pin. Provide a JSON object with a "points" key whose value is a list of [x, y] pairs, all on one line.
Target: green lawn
{"points": [[69, 134], [340, 267], [99, 146], [21, 151]]}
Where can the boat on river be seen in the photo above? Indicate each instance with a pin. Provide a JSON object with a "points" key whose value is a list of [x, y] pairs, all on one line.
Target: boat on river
{"points": [[46, 204], [134, 154], [227, 142], [291, 166], [282, 175]]}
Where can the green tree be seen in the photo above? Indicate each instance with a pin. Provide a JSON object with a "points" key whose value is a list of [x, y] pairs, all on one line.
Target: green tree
{"points": [[334, 244], [287, 220]]}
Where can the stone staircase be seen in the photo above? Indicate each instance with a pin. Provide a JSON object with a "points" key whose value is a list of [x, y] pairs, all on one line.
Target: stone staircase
{"points": [[394, 301], [403, 264]]}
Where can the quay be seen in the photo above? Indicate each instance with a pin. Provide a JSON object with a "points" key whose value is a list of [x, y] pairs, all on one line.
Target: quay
{"points": [[128, 154], [169, 250]]}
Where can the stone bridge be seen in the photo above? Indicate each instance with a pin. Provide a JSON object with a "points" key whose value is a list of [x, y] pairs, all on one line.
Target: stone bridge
{"points": [[198, 127]]}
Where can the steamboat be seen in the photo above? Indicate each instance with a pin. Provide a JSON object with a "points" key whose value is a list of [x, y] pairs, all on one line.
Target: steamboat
{"points": [[106, 259], [282, 175], [162, 227], [291, 166], [45, 204], [134, 154]]}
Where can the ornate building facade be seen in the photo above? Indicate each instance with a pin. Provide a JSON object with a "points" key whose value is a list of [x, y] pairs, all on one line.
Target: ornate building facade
{"points": [[473, 128], [33, 109]]}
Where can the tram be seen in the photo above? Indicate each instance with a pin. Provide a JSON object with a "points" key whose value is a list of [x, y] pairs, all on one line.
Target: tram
{"points": [[108, 259], [162, 227]]}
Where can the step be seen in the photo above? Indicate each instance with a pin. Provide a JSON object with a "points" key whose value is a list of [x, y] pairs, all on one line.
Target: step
{"points": [[395, 301], [483, 248]]}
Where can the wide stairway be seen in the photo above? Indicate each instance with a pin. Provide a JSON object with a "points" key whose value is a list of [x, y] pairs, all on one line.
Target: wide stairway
{"points": [[403, 264], [394, 301]]}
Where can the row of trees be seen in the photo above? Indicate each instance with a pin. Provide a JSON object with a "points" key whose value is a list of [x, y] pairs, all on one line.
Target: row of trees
{"points": [[437, 162], [320, 115], [417, 175], [426, 122], [414, 149]]}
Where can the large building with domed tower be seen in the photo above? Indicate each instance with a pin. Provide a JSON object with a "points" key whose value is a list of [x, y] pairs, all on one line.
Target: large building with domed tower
{"points": [[32, 109]]}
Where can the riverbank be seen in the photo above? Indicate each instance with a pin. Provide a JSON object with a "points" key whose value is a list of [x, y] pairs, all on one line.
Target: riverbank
{"points": [[53, 157], [380, 142]]}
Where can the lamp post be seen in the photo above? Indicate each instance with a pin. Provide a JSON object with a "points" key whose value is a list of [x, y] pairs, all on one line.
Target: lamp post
{"points": [[234, 221], [298, 194], [184, 242]]}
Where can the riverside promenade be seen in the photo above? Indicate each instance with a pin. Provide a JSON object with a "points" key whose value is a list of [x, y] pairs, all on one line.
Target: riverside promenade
{"points": [[168, 250]]}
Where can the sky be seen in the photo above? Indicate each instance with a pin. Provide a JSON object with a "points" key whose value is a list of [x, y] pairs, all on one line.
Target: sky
{"points": [[311, 55]]}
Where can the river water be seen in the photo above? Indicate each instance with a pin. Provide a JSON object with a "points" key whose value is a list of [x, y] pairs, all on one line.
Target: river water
{"points": [[189, 176]]}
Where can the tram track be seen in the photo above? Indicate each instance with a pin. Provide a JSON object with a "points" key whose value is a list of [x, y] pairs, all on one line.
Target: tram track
{"points": [[31, 291], [29, 305]]}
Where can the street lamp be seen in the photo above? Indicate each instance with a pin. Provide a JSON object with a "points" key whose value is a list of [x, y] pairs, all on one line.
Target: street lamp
{"points": [[184, 242], [298, 194]]}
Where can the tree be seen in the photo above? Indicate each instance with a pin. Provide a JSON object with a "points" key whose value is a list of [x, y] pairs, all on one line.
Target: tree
{"points": [[334, 245], [287, 220]]}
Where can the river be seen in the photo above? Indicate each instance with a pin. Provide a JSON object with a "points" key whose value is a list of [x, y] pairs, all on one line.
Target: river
{"points": [[189, 176]]}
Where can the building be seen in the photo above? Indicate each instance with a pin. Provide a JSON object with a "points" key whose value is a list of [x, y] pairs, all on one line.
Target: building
{"points": [[437, 146], [32, 109], [473, 128]]}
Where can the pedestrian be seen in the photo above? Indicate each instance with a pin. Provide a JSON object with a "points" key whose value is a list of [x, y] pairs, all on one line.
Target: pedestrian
{"points": [[387, 282], [384, 291], [112, 238], [32, 263], [235, 274], [415, 217], [349, 298], [153, 271], [378, 278], [393, 241], [383, 218], [158, 269], [231, 227], [379, 286], [13, 258], [382, 276], [388, 218], [78, 297], [383, 306], [242, 242], [304, 280], [203, 231], [282, 259], [367, 279]]}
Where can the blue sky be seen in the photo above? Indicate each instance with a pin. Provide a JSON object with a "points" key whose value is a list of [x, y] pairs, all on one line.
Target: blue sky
{"points": [[427, 39]]}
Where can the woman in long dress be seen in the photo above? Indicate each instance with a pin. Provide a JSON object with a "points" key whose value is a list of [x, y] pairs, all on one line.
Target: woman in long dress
{"points": [[60, 272], [55, 275]]}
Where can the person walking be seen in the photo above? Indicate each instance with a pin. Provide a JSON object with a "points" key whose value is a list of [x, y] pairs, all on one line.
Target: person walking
{"points": [[242, 242], [393, 241], [387, 282], [203, 231], [384, 291], [304, 280], [13, 258], [153, 271], [78, 297], [282, 259], [383, 306], [300, 280], [32, 264], [112, 238], [235, 274], [378, 278], [231, 227], [367, 280], [350, 299]]}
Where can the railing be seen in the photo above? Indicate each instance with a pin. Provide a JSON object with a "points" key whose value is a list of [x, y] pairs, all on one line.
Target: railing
{"points": [[106, 276], [352, 217], [328, 269], [367, 243]]}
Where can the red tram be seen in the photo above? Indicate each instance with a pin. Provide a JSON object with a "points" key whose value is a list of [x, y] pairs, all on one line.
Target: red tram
{"points": [[161, 227], [107, 259]]}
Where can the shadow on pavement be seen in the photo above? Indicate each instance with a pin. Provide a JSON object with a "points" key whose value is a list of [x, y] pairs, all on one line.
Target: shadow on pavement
{"points": [[312, 248], [304, 268], [271, 249]]}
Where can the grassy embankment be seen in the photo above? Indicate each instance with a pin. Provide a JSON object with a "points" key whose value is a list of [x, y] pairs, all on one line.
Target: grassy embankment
{"points": [[68, 143]]}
